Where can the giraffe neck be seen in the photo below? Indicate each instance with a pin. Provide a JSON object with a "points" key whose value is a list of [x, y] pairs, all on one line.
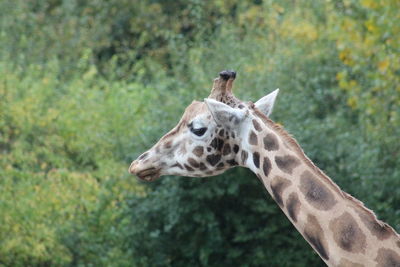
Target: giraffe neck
{"points": [[338, 227]]}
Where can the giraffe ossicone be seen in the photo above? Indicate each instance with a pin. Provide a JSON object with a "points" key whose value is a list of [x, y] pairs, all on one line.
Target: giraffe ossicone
{"points": [[223, 132]]}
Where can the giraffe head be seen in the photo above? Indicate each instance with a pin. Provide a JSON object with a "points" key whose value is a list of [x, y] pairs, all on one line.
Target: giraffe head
{"points": [[209, 137]]}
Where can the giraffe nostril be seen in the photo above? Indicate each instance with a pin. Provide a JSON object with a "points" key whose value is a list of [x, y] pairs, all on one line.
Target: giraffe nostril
{"points": [[143, 156]]}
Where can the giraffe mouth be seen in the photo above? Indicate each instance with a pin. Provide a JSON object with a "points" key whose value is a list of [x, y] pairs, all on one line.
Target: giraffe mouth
{"points": [[149, 174]]}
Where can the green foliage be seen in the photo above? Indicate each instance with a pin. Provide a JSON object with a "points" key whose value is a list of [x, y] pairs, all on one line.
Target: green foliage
{"points": [[368, 41], [86, 86], [62, 176]]}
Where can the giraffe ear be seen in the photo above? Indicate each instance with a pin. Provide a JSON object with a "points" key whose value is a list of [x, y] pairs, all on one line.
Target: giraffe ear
{"points": [[266, 104], [224, 114]]}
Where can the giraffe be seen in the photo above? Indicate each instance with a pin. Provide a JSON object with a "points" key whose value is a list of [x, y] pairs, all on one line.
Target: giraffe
{"points": [[223, 132]]}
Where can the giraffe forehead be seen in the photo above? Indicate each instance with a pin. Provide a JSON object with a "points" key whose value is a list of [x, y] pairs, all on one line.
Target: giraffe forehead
{"points": [[195, 109]]}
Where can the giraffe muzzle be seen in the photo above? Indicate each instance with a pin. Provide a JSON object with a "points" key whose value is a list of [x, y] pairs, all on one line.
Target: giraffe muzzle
{"points": [[148, 174]]}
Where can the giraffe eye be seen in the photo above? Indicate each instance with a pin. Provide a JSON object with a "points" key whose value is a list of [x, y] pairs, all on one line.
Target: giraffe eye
{"points": [[199, 131]]}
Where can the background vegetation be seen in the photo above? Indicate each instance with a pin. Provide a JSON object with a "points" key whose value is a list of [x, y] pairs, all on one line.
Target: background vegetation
{"points": [[86, 86]]}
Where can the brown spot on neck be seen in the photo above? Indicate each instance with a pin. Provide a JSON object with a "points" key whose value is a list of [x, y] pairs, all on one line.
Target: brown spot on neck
{"points": [[287, 163], [377, 228], [271, 142], [253, 139], [293, 206], [278, 185], [256, 159], [315, 192], [314, 234], [347, 234], [257, 126], [266, 166], [387, 257]]}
